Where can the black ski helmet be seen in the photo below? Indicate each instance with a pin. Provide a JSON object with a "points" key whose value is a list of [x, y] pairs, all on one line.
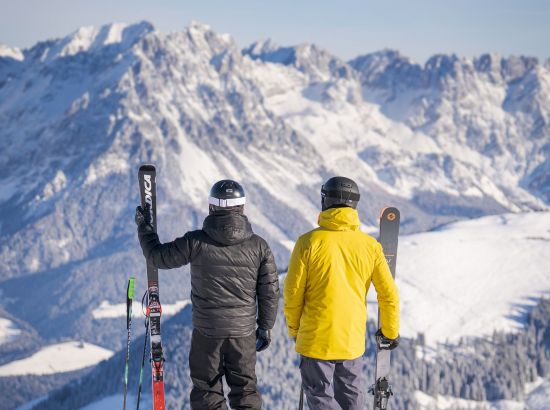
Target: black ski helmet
{"points": [[339, 191], [226, 194]]}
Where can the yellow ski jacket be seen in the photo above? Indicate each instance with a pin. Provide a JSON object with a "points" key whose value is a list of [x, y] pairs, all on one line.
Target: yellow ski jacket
{"points": [[325, 290]]}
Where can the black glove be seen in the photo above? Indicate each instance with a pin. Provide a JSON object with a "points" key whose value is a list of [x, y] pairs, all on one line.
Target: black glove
{"points": [[384, 343], [143, 216], [263, 339]]}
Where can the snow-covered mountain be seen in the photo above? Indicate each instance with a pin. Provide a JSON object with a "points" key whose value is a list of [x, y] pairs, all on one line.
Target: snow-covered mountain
{"points": [[452, 139]]}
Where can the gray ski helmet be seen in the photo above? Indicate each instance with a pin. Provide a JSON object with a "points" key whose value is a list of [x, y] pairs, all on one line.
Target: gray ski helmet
{"points": [[339, 191], [227, 194]]}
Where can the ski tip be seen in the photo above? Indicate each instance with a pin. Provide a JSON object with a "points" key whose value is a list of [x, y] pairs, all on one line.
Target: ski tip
{"points": [[390, 213], [131, 283], [147, 168]]}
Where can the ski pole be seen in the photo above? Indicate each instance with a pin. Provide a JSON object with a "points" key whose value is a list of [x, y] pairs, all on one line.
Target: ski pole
{"points": [[142, 361], [129, 298]]}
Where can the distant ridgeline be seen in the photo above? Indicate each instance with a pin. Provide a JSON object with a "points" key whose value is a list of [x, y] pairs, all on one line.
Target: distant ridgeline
{"points": [[476, 369]]}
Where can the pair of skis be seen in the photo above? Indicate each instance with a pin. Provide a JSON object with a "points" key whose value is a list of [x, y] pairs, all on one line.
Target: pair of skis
{"points": [[148, 192], [147, 188], [389, 232], [381, 389]]}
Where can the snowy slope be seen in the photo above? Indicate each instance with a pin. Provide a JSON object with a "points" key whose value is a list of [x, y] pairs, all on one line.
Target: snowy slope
{"points": [[62, 357], [345, 114], [427, 402], [107, 310], [11, 52], [8, 331], [537, 398], [471, 278], [113, 402]]}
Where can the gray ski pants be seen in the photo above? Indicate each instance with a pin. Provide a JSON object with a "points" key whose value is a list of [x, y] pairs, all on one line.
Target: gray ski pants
{"points": [[333, 384]]}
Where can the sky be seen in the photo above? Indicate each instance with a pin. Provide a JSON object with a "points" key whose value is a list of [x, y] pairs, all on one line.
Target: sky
{"points": [[347, 28]]}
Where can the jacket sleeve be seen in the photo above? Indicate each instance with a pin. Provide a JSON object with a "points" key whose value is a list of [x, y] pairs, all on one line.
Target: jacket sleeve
{"points": [[267, 290], [294, 288], [388, 297], [164, 255]]}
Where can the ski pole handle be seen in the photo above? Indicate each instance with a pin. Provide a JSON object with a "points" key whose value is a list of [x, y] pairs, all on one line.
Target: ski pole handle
{"points": [[131, 284]]}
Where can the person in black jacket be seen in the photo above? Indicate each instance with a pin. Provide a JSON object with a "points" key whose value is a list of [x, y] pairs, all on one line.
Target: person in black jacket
{"points": [[234, 292]]}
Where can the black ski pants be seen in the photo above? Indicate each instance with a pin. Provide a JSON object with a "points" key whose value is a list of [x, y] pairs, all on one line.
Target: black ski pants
{"points": [[234, 358]]}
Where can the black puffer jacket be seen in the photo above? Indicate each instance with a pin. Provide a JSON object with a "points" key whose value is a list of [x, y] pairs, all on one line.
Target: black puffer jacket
{"points": [[231, 268]]}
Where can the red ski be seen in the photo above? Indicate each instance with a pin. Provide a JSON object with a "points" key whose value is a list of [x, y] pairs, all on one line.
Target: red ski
{"points": [[148, 191]]}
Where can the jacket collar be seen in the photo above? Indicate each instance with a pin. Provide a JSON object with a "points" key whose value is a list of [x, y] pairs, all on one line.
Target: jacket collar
{"points": [[340, 219], [227, 228]]}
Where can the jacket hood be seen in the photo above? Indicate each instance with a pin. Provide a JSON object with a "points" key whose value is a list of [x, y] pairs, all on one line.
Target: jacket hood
{"points": [[227, 228], [340, 219]]}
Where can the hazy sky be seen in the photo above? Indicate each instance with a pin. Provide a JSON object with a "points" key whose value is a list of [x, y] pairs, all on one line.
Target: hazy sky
{"points": [[418, 28]]}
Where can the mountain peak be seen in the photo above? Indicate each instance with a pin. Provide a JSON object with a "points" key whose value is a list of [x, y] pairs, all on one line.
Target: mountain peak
{"points": [[374, 67], [379, 60], [306, 57], [269, 51], [198, 26], [261, 47], [203, 37], [92, 39], [11, 52]]}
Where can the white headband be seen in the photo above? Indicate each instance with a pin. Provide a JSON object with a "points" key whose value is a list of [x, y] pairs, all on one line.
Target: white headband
{"points": [[225, 203]]}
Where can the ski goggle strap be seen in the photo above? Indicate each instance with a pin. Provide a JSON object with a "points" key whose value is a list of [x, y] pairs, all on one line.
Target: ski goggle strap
{"points": [[226, 203], [345, 195]]}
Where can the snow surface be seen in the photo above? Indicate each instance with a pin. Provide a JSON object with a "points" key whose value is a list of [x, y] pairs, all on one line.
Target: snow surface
{"points": [[93, 38], [427, 402], [31, 404], [11, 52], [539, 398], [382, 142], [106, 310], [472, 277], [8, 331], [115, 402], [62, 357]]}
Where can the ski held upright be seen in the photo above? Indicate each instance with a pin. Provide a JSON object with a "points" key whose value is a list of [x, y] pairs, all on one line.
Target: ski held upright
{"points": [[147, 186], [389, 233]]}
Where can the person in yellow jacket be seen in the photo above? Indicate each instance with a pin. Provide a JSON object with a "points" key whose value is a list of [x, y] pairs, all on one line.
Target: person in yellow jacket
{"points": [[325, 290]]}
